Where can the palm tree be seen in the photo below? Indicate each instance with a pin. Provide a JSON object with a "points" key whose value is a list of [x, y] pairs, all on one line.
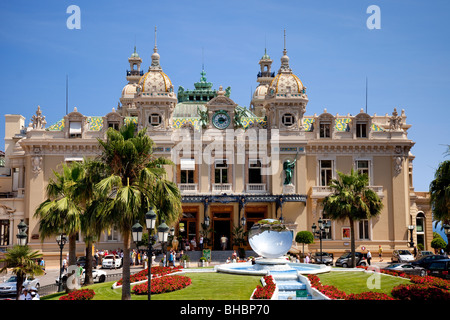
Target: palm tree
{"points": [[135, 182], [353, 200], [440, 193], [22, 261], [61, 211]]}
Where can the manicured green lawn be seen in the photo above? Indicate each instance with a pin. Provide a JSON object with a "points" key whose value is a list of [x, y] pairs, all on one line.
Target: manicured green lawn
{"points": [[204, 286], [357, 282], [220, 286]]}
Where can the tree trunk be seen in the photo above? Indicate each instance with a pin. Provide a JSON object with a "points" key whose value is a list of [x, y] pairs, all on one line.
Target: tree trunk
{"points": [[19, 285], [126, 292], [88, 268], [352, 241], [72, 250]]}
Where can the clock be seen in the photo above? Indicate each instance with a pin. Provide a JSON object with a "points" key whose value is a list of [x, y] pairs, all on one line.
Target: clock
{"points": [[221, 119]]}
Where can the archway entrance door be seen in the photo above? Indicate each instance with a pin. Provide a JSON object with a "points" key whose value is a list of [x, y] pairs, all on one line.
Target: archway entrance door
{"points": [[187, 228], [253, 214], [222, 223]]}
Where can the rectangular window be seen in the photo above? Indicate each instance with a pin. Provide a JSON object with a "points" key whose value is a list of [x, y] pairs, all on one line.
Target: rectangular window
{"points": [[364, 229], [362, 166], [361, 130], [221, 171], [329, 234], [114, 125], [75, 129], [326, 172], [325, 129], [254, 171], [113, 234], [187, 176]]}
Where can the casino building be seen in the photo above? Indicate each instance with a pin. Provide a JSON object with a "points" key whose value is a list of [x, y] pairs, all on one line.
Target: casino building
{"points": [[269, 160]]}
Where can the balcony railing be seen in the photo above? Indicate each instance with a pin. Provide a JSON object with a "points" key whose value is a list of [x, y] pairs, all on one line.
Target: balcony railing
{"points": [[188, 187], [256, 187], [135, 73], [221, 187], [323, 191]]}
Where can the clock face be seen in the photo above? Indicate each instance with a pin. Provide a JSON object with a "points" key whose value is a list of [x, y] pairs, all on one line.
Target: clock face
{"points": [[221, 120]]}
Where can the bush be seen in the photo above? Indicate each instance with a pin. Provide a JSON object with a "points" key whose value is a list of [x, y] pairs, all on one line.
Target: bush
{"points": [[419, 292], [83, 294]]}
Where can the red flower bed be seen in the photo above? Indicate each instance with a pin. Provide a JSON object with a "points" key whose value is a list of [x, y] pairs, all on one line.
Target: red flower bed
{"points": [[419, 292], [431, 281], [83, 294], [265, 292], [156, 272], [163, 284], [330, 291], [368, 296]]}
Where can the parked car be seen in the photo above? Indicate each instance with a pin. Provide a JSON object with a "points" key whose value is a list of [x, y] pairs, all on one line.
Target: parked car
{"points": [[108, 261], [439, 268], [326, 258], [427, 260], [97, 275], [346, 260], [422, 254], [9, 287], [402, 256], [82, 261], [406, 268]]}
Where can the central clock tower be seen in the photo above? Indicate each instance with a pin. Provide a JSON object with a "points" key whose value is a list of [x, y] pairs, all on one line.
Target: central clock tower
{"points": [[221, 111]]}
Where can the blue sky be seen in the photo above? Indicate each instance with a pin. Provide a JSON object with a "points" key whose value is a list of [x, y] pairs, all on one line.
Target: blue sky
{"points": [[329, 45]]}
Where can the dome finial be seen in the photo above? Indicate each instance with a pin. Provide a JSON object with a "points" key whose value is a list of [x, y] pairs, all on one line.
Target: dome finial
{"points": [[285, 59], [155, 57], [155, 49]]}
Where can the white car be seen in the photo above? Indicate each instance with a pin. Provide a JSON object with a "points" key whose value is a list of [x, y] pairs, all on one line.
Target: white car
{"points": [[108, 261], [402, 256], [97, 276], [9, 287]]}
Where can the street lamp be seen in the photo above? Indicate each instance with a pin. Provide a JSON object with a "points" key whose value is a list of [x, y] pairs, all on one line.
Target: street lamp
{"points": [[61, 240], [411, 241], [22, 235], [323, 230], [243, 221], [163, 234], [447, 233], [136, 231]]}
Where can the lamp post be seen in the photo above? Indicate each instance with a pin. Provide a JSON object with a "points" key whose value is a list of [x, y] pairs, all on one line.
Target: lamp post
{"points": [[61, 240], [323, 230], [22, 235], [150, 220], [447, 233], [411, 241], [163, 233]]}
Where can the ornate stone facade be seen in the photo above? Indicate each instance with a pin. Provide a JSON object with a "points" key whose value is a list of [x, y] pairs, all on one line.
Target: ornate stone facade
{"points": [[224, 176]]}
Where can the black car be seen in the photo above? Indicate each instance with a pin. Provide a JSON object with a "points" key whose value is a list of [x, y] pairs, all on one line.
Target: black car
{"points": [[439, 268], [424, 262], [345, 260], [406, 268], [82, 261]]}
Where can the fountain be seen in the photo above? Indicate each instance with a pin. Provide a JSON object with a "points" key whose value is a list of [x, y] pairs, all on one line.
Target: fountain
{"points": [[271, 240]]}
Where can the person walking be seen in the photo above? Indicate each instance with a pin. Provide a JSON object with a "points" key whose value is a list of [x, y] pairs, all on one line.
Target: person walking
{"points": [[369, 257], [380, 253], [223, 242]]}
